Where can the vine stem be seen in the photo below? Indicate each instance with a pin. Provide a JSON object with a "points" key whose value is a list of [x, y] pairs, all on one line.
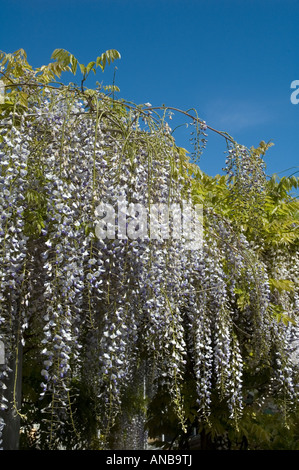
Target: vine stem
{"points": [[127, 105], [186, 113]]}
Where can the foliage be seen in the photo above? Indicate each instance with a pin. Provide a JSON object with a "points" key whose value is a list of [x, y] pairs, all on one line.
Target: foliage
{"points": [[194, 330]]}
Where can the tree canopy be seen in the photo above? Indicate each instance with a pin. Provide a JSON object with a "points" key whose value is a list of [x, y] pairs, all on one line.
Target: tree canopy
{"points": [[131, 335]]}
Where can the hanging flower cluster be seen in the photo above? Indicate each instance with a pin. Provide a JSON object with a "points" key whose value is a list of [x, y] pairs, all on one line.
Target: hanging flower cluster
{"points": [[13, 297], [277, 295], [128, 306]]}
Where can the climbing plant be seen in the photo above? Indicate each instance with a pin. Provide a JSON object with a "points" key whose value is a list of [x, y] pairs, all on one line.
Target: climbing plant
{"points": [[110, 326]]}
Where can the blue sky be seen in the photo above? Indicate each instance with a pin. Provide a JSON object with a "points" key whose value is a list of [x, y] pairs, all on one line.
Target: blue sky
{"points": [[231, 60]]}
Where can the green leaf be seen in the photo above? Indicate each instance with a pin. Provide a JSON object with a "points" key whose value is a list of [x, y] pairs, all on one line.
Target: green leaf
{"points": [[90, 67], [111, 88], [280, 315], [83, 69], [107, 57], [281, 285], [74, 64], [243, 298], [61, 55], [23, 99]]}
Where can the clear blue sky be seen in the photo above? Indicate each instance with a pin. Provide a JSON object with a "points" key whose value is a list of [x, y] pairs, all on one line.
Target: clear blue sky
{"points": [[233, 61]]}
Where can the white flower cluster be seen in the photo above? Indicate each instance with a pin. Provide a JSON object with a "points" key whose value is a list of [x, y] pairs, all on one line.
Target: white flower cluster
{"points": [[13, 242]]}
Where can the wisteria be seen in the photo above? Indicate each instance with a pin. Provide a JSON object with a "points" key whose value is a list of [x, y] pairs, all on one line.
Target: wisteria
{"points": [[122, 310]]}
